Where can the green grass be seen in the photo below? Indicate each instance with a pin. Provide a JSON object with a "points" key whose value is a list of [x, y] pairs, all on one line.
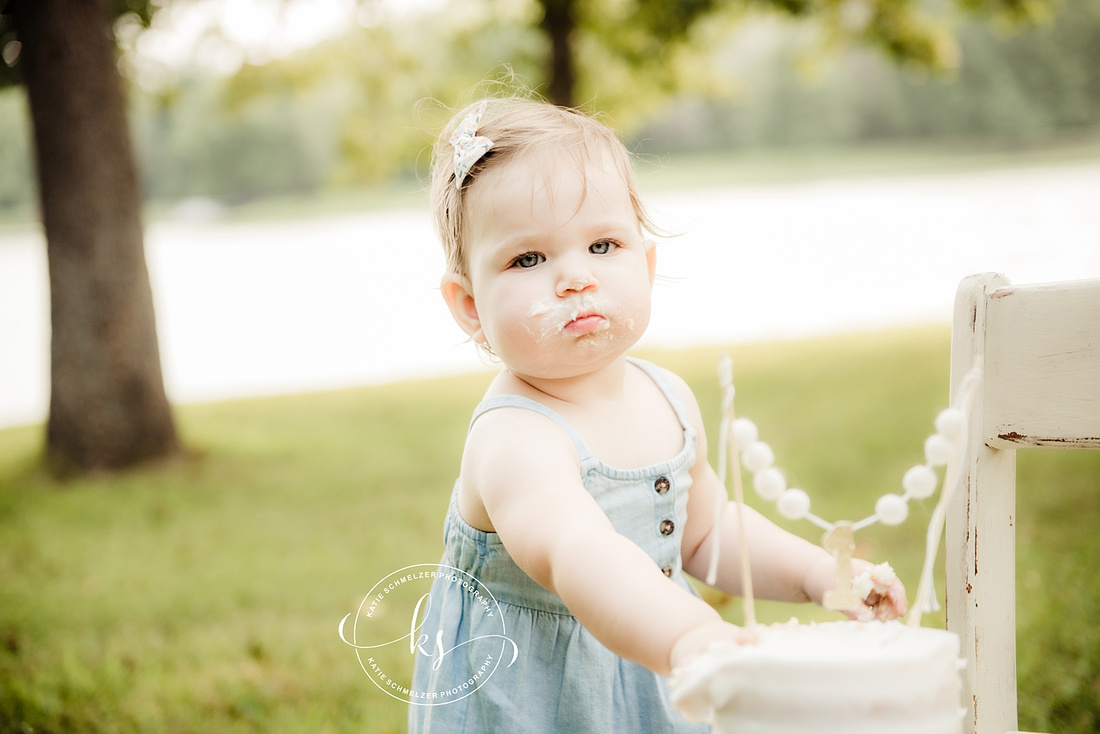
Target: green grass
{"points": [[204, 594]]}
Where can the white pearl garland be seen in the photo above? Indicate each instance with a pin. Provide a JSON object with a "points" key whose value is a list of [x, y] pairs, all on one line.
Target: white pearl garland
{"points": [[769, 483], [892, 509], [947, 447], [920, 482], [744, 431], [757, 456], [793, 504]]}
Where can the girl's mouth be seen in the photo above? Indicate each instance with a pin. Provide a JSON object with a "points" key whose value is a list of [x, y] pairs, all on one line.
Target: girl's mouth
{"points": [[576, 317], [586, 324]]}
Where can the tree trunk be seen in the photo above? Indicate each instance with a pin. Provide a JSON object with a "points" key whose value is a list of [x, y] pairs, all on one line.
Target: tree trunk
{"points": [[108, 408], [559, 20]]}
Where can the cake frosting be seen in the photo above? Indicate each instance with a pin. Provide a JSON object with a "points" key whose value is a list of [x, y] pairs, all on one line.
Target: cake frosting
{"points": [[830, 678]]}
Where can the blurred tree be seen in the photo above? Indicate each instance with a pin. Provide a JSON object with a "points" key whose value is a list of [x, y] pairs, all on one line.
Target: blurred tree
{"points": [[346, 103], [338, 113], [1014, 86], [108, 408], [206, 137], [559, 23], [647, 34]]}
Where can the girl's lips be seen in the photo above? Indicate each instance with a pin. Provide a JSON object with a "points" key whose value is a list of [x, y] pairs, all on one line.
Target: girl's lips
{"points": [[576, 316], [586, 323]]}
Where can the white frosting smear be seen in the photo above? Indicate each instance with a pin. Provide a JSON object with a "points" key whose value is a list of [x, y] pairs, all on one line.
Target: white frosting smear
{"points": [[551, 316], [879, 579]]}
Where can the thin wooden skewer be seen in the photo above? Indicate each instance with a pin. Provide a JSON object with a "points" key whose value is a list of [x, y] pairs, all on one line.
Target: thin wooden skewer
{"points": [[729, 460]]}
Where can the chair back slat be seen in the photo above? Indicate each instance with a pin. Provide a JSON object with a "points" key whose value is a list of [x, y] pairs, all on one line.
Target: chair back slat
{"points": [[1042, 366]]}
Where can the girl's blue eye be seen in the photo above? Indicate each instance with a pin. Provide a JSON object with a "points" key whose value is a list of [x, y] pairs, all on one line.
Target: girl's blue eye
{"points": [[528, 260], [602, 247]]}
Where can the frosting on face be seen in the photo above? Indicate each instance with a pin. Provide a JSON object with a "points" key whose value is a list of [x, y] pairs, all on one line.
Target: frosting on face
{"points": [[553, 316]]}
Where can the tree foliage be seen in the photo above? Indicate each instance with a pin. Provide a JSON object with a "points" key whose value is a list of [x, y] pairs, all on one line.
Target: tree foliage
{"points": [[650, 38], [1019, 87], [352, 111], [361, 108]]}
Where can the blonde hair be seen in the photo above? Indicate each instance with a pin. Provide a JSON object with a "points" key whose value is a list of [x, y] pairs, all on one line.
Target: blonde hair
{"points": [[518, 126]]}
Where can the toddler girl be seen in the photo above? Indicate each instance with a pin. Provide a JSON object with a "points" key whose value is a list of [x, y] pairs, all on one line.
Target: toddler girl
{"points": [[585, 498]]}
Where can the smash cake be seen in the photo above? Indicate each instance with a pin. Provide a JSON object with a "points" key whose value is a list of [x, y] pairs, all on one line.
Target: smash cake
{"points": [[828, 678], [845, 677]]}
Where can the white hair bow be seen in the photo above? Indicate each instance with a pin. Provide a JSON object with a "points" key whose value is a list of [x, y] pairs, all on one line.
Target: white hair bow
{"points": [[469, 146]]}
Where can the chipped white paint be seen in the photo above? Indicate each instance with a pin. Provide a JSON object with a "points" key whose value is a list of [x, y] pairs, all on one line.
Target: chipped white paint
{"points": [[1039, 345]]}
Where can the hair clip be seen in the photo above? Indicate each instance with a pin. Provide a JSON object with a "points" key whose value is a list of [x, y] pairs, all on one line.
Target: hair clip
{"points": [[469, 146]]}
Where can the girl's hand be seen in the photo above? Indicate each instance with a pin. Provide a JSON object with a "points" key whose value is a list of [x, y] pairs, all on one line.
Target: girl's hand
{"points": [[884, 596], [694, 643]]}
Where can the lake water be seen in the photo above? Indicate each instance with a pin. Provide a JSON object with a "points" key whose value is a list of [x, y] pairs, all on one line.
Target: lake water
{"points": [[264, 308]]}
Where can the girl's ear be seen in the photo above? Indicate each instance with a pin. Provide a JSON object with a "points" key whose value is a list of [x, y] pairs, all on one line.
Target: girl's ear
{"points": [[458, 294], [651, 258]]}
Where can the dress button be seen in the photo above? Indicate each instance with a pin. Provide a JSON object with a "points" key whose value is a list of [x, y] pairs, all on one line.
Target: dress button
{"points": [[667, 571], [667, 526], [662, 484]]}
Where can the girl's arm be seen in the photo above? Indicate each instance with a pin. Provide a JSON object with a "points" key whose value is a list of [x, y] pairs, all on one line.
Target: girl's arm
{"points": [[784, 566], [779, 560], [525, 471]]}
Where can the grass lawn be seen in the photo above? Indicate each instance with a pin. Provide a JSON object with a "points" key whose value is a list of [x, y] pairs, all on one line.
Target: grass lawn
{"points": [[204, 594]]}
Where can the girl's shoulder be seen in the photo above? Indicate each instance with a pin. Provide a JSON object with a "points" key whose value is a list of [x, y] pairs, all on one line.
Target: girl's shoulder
{"points": [[672, 382], [506, 425]]}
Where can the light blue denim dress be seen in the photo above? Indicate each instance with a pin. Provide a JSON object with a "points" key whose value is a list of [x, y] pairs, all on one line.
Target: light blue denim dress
{"points": [[563, 679]]}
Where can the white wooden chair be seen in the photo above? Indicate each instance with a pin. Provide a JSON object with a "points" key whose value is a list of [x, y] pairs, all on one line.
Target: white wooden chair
{"points": [[1040, 346]]}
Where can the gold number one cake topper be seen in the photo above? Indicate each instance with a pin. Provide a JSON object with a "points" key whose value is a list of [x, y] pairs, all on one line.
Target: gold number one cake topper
{"points": [[739, 445], [840, 542]]}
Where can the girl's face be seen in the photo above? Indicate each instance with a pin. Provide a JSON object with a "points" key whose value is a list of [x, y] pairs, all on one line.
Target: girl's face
{"points": [[559, 272]]}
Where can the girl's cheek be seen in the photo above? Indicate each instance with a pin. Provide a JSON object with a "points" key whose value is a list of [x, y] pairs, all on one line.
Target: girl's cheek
{"points": [[537, 320]]}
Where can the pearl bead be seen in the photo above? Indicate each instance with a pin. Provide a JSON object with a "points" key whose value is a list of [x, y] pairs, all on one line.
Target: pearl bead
{"points": [[769, 483], [793, 504], [950, 423], [744, 432], [891, 509], [937, 449], [757, 456], [920, 481]]}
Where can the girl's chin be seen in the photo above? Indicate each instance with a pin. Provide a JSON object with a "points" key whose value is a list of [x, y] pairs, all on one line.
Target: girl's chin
{"points": [[587, 353]]}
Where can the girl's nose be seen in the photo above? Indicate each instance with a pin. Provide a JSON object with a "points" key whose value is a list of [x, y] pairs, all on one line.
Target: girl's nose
{"points": [[576, 281], [574, 274]]}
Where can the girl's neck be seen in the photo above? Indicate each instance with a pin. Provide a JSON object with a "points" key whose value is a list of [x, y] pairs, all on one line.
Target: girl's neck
{"points": [[590, 388], [623, 416]]}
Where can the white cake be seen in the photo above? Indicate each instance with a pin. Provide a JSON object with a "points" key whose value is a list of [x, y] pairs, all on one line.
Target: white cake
{"points": [[831, 678]]}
